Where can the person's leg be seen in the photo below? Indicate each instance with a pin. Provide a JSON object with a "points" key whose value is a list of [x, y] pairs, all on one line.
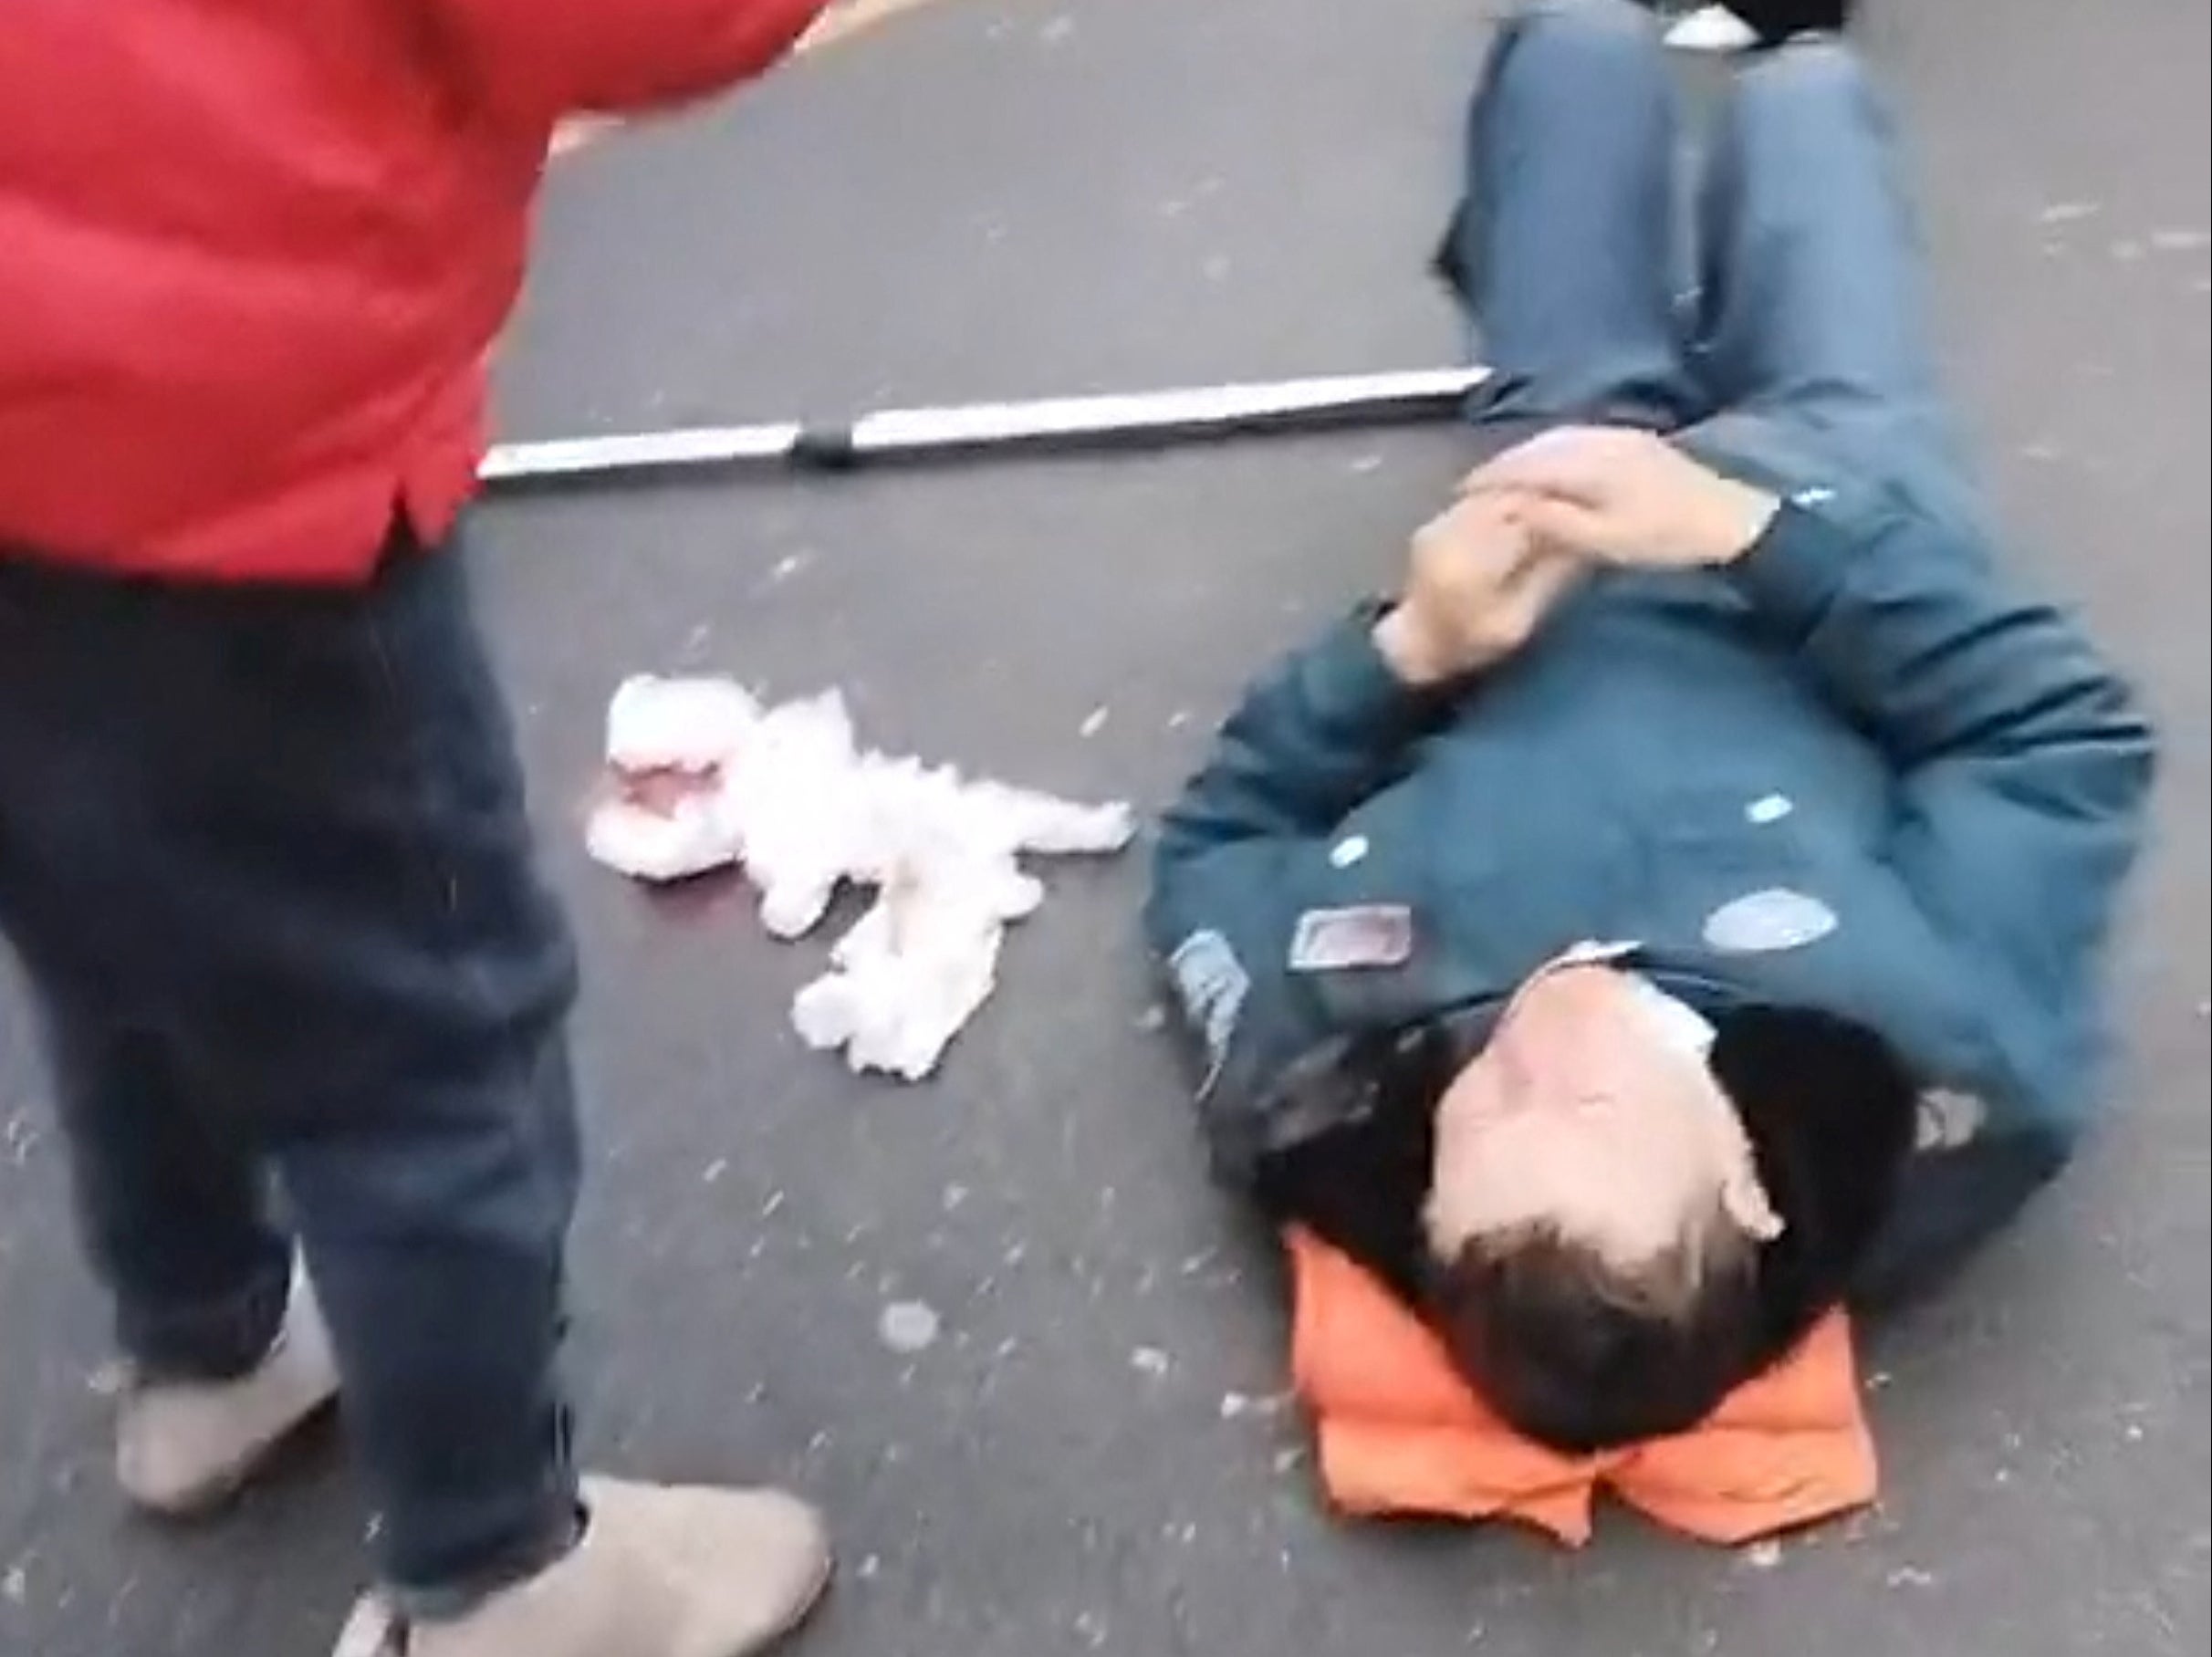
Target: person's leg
{"points": [[173, 1206], [266, 855], [396, 1011], [171, 1200], [386, 985], [1816, 345], [288, 828], [1564, 248]]}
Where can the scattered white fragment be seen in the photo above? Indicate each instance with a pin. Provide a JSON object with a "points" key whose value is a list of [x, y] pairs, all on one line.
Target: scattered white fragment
{"points": [[107, 1381], [1910, 1576], [2181, 241], [1235, 1406], [1094, 722], [1763, 1555], [871, 1567], [2067, 213], [1349, 852], [711, 1173], [1769, 809], [686, 725], [908, 1326], [1056, 29], [704, 777], [1712, 29], [1364, 463], [16, 1587], [787, 567], [1152, 1020], [1148, 1361], [1178, 719]]}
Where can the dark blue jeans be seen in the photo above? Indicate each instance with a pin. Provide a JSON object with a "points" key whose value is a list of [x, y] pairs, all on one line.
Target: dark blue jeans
{"points": [[1790, 350], [265, 855]]}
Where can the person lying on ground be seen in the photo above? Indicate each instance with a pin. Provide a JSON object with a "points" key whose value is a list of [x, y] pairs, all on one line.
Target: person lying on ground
{"points": [[1679, 913]]}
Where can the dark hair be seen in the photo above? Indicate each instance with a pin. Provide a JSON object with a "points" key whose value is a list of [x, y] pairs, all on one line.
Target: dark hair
{"points": [[1580, 1356], [1558, 1344]]}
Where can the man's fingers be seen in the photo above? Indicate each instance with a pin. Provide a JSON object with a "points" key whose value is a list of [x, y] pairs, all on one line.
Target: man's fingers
{"points": [[1543, 581], [1531, 595], [1557, 522], [1569, 461]]}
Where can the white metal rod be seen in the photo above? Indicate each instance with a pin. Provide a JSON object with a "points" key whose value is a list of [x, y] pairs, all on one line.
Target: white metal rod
{"points": [[1067, 421]]}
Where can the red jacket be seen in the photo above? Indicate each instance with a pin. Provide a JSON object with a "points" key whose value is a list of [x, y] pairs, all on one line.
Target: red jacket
{"points": [[253, 254]]}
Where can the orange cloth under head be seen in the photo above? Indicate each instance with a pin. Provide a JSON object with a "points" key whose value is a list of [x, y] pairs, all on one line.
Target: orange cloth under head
{"points": [[1400, 1433]]}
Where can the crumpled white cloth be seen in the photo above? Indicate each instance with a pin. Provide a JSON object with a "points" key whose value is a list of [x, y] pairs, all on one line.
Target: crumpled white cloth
{"points": [[704, 776]]}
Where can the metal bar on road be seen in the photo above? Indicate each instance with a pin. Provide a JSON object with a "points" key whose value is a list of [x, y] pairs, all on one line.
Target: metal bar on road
{"points": [[1325, 402]]}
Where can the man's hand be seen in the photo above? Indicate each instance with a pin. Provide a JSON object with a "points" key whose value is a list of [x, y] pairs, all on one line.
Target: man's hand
{"points": [[1478, 584], [1626, 498]]}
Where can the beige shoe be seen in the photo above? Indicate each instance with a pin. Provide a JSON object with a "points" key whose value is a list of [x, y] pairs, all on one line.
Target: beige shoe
{"points": [[661, 1572], [183, 1448]]}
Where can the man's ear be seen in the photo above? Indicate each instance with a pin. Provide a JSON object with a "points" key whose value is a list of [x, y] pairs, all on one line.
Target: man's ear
{"points": [[1743, 1194], [1746, 1202]]}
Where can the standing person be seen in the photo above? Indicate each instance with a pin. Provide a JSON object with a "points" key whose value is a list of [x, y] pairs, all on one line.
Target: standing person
{"points": [[263, 841]]}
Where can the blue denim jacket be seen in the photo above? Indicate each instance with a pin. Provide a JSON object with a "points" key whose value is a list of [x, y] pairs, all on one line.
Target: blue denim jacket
{"points": [[1856, 772]]}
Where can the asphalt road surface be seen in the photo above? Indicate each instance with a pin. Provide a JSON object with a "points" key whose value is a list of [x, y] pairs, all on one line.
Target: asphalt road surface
{"points": [[985, 198]]}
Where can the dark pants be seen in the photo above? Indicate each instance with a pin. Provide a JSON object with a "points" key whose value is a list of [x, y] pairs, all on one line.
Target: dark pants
{"points": [[1790, 350], [265, 857]]}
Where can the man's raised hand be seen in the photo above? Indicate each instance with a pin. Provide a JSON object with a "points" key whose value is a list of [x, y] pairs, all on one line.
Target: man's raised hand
{"points": [[1479, 585], [1626, 497]]}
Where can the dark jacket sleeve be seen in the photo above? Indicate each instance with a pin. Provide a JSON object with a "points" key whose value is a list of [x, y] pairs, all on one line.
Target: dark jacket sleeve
{"points": [[2024, 765], [1241, 851]]}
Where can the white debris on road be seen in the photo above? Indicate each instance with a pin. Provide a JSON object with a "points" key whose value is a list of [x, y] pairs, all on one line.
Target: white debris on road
{"points": [[908, 1326], [701, 776], [1764, 1554]]}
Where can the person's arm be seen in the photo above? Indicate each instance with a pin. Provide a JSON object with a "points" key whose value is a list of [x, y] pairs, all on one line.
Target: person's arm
{"points": [[534, 61], [1241, 854], [2025, 763], [1324, 730], [2024, 767], [1312, 739]]}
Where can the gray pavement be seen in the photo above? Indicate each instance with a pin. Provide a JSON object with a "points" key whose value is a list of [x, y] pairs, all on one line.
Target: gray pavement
{"points": [[1007, 197]]}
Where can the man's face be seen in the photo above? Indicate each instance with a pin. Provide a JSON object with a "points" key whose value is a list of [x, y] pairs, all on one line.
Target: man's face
{"points": [[1591, 1114]]}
